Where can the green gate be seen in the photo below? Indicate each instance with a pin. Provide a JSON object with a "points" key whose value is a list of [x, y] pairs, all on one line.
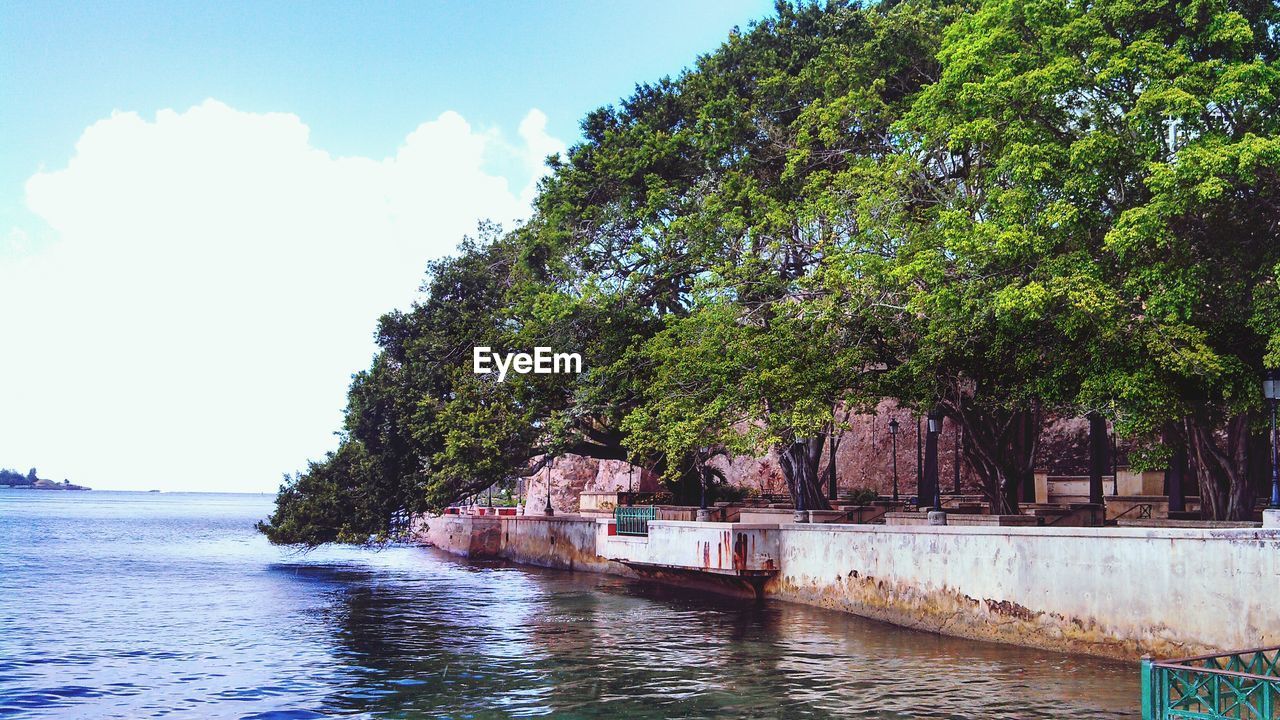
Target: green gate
{"points": [[1240, 686], [634, 520]]}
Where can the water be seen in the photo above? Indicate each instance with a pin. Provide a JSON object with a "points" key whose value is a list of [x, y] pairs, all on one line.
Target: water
{"points": [[135, 605]]}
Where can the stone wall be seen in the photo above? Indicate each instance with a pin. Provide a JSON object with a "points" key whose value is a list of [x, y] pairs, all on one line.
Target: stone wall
{"points": [[572, 475], [566, 542], [864, 460], [466, 535], [1114, 592], [1117, 592]]}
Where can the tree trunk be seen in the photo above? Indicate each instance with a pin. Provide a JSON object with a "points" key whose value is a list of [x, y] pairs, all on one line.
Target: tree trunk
{"points": [[799, 460], [1222, 467], [1029, 437], [833, 487], [1000, 445], [1174, 486]]}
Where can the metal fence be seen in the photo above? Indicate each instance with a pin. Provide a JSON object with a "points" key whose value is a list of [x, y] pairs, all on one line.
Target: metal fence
{"points": [[1236, 686], [634, 520]]}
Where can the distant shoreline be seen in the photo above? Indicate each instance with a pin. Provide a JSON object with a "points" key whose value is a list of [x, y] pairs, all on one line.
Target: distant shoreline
{"points": [[263, 493]]}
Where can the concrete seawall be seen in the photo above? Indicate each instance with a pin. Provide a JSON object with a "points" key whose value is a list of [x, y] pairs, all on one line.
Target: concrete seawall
{"points": [[565, 542], [465, 535], [1114, 592]]}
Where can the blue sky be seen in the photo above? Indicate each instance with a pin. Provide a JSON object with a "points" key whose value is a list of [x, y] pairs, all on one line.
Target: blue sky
{"points": [[361, 75], [205, 206]]}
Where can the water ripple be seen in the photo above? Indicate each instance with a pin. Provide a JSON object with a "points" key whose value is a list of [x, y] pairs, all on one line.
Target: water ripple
{"points": [[120, 605]]}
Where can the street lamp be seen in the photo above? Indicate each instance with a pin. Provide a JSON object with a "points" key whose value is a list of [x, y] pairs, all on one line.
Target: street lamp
{"points": [[548, 509], [935, 429], [893, 435], [1271, 391], [631, 469]]}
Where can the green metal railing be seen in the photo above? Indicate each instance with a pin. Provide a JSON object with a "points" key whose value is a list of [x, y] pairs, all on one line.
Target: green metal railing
{"points": [[634, 520], [1239, 686]]}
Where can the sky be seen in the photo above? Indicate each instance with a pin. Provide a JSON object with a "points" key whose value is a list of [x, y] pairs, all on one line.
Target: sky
{"points": [[204, 207]]}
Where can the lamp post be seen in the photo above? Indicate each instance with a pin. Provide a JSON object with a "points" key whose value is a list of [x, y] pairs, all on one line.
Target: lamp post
{"points": [[893, 435], [548, 509], [1271, 390], [931, 457], [631, 469]]}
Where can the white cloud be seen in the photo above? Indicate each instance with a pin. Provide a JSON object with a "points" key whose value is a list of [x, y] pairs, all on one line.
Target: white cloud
{"points": [[213, 282]]}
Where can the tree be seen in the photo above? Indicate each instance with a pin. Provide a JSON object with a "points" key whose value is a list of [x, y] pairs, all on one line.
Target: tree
{"points": [[998, 209], [749, 380], [1102, 177], [719, 196]]}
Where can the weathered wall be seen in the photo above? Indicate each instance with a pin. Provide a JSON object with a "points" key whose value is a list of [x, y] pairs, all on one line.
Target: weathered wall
{"points": [[1118, 592], [565, 542], [465, 535], [572, 475], [705, 546], [864, 458]]}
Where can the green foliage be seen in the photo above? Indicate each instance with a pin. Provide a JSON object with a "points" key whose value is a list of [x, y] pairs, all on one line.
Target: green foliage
{"points": [[13, 478], [1106, 207], [331, 502], [997, 208], [862, 496]]}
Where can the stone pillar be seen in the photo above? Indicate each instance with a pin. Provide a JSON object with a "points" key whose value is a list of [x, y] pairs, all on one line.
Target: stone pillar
{"points": [[1271, 518], [1097, 456]]}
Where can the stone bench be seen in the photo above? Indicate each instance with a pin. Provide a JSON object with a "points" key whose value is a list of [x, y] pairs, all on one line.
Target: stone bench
{"points": [[1205, 524], [995, 520]]}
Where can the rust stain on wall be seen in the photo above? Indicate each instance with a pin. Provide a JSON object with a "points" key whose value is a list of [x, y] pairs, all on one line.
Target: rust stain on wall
{"points": [[996, 620], [740, 552]]}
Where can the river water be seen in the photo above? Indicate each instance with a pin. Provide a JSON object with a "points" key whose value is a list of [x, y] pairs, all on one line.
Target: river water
{"points": [[137, 605]]}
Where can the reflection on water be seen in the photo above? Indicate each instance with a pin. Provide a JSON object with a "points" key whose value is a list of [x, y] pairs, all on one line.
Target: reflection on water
{"points": [[135, 605]]}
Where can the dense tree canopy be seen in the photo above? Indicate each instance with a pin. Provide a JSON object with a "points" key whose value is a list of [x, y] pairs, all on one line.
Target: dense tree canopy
{"points": [[14, 478], [996, 209]]}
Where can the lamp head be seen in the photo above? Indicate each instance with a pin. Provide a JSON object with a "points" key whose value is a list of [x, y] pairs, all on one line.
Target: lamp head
{"points": [[893, 426], [1271, 384], [935, 420]]}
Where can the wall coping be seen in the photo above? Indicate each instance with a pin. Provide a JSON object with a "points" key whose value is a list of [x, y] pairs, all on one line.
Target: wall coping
{"points": [[1230, 534], [542, 518], [468, 518], [712, 525], [701, 525], [629, 539]]}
